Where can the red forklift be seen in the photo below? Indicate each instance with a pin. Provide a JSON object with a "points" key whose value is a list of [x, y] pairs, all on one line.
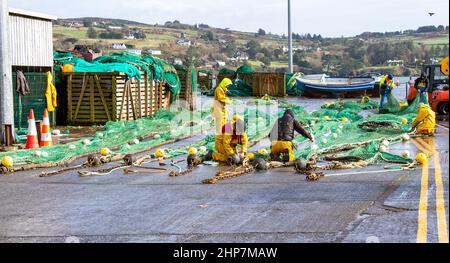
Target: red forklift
{"points": [[438, 87]]}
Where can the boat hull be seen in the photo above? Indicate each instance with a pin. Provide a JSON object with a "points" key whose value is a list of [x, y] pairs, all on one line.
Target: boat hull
{"points": [[341, 88]]}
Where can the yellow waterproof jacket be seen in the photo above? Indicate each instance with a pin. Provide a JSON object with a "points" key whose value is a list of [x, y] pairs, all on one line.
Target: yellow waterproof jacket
{"points": [[50, 93], [384, 80], [220, 96], [425, 121], [230, 140], [227, 142]]}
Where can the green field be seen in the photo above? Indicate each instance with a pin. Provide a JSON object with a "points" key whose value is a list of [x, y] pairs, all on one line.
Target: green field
{"points": [[441, 40], [80, 33], [279, 64]]}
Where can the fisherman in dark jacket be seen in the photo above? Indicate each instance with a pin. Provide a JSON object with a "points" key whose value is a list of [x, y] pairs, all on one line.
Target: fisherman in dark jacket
{"points": [[282, 135], [421, 84]]}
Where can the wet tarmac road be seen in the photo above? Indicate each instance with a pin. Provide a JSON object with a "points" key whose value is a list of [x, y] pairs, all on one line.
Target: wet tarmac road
{"points": [[359, 205]]}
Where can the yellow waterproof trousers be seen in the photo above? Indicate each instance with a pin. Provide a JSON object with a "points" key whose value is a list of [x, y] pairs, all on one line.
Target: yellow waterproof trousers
{"points": [[220, 118], [425, 121], [223, 150], [281, 147]]}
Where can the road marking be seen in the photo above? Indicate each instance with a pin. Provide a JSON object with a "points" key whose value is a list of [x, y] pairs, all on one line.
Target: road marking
{"points": [[440, 204], [366, 172], [423, 206], [429, 147], [421, 147], [423, 203], [425, 147]]}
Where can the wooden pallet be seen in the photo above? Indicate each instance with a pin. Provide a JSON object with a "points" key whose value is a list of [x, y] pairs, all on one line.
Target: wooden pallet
{"points": [[187, 91], [96, 98], [272, 84]]}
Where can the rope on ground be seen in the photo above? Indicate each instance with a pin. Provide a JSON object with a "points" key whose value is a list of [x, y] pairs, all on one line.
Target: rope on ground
{"points": [[241, 170]]}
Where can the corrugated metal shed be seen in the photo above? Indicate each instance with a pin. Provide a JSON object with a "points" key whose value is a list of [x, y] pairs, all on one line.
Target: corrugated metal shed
{"points": [[30, 38]]}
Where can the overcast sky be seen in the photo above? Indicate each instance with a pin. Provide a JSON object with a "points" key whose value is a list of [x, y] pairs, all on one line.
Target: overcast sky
{"points": [[331, 18]]}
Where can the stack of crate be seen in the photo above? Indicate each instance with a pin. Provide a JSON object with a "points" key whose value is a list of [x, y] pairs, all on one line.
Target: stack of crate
{"points": [[96, 98]]}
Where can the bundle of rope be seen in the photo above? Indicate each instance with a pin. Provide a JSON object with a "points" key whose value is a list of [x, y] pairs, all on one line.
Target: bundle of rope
{"points": [[241, 170]]}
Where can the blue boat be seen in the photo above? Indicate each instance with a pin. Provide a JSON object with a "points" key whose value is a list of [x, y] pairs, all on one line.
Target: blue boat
{"points": [[322, 86]]}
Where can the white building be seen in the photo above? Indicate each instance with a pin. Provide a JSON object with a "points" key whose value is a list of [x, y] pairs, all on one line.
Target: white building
{"points": [[154, 52], [178, 61], [115, 27], [395, 63], [119, 46], [129, 37], [135, 51], [221, 63], [184, 42], [30, 40]]}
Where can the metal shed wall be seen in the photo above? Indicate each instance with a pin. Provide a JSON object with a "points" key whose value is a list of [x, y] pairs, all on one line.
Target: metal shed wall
{"points": [[31, 41]]}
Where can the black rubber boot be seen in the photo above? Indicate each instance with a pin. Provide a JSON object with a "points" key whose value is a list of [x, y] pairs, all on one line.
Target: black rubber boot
{"points": [[275, 158], [286, 156], [208, 157]]}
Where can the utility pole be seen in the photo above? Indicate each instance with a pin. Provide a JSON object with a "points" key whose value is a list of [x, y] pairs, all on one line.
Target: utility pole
{"points": [[6, 92], [291, 60]]}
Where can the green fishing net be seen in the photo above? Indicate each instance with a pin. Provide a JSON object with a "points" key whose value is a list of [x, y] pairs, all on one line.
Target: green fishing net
{"points": [[393, 106], [291, 83], [227, 72], [358, 136], [129, 64], [244, 69]]}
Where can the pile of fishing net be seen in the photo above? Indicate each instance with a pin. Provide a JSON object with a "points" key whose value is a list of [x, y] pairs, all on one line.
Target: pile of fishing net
{"points": [[129, 64], [122, 137], [345, 138], [345, 133], [393, 106], [239, 88]]}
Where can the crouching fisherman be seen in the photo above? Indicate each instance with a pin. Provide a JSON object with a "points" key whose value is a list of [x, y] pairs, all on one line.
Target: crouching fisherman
{"points": [[232, 135], [425, 122], [282, 135]]}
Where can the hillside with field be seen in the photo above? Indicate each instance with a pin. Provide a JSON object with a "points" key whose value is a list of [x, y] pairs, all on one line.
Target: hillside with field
{"points": [[400, 52]]}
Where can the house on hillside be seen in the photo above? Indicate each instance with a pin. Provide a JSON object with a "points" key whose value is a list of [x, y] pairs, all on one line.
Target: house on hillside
{"points": [[135, 51], [395, 63], [240, 57], [154, 52], [178, 61], [119, 46], [115, 27], [220, 63], [87, 53], [184, 42], [129, 37]]}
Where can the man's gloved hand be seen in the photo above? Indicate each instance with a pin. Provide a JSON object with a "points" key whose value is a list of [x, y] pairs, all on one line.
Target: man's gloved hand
{"points": [[234, 159]]}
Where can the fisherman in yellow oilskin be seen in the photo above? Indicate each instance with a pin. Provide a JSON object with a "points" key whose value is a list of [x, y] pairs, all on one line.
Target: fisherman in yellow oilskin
{"points": [[232, 135], [386, 86], [425, 122], [219, 110], [282, 135]]}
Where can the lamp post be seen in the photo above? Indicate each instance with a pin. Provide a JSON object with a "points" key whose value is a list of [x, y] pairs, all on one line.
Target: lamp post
{"points": [[291, 60]]}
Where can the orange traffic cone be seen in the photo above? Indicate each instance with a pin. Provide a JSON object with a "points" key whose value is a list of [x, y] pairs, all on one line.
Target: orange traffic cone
{"points": [[46, 136], [32, 139]]}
